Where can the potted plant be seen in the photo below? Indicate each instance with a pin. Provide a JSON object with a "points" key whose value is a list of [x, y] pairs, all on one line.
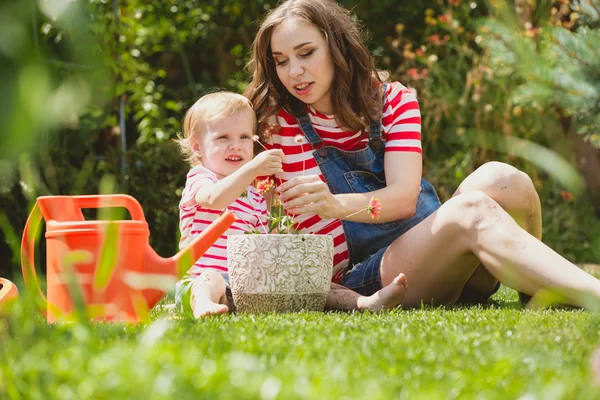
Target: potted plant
{"points": [[284, 270]]}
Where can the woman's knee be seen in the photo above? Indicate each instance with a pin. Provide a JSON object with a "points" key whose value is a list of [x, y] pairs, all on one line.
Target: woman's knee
{"points": [[470, 213], [503, 177]]}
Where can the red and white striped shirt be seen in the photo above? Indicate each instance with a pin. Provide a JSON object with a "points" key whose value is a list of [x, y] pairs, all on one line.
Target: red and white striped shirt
{"points": [[193, 219], [401, 130]]}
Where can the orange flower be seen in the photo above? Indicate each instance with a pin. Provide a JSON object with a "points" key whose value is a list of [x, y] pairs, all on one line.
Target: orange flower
{"points": [[374, 208], [436, 40], [265, 186], [413, 73], [566, 196], [444, 18]]}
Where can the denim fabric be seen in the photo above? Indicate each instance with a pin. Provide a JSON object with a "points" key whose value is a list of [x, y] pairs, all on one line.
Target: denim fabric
{"points": [[362, 171], [363, 276]]}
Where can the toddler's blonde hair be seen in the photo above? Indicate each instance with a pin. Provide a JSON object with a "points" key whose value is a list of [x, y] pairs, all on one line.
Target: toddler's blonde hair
{"points": [[209, 108]]}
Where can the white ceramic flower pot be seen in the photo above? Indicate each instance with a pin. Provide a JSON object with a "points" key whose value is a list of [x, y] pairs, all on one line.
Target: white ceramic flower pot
{"points": [[280, 273]]}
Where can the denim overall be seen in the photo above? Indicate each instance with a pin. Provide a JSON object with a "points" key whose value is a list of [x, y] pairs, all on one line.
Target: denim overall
{"points": [[359, 172]]}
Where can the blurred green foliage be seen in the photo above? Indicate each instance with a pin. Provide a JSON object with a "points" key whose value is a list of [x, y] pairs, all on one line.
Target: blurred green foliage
{"points": [[494, 351], [66, 66]]}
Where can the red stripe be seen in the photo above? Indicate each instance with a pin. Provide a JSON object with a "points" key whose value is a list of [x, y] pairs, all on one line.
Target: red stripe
{"points": [[337, 278], [218, 267], [296, 149], [189, 215], [337, 258], [244, 204], [395, 100], [339, 240], [259, 199], [331, 227], [201, 173], [409, 120], [199, 208], [404, 135], [389, 119], [214, 257], [404, 149], [309, 222]]}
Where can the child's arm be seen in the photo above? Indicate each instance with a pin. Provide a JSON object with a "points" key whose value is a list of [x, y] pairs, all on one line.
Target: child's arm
{"points": [[224, 192]]}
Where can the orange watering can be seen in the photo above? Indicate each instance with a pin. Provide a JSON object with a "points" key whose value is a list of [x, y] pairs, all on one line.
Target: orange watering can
{"points": [[108, 266], [8, 292]]}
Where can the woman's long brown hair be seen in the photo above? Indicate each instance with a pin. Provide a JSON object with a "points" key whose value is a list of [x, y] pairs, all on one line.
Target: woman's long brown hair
{"points": [[355, 90]]}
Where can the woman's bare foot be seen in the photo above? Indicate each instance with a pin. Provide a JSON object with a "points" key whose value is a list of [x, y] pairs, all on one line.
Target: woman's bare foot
{"points": [[385, 298], [206, 307]]}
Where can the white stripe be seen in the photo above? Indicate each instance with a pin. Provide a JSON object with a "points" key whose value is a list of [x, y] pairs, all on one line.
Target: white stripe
{"points": [[312, 171], [339, 249], [395, 92], [399, 120], [404, 143], [407, 97], [328, 122], [405, 128], [408, 114], [293, 158], [284, 124], [341, 265]]}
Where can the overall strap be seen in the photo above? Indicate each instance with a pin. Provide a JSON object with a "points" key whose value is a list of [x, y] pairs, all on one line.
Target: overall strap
{"points": [[375, 138], [309, 132]]}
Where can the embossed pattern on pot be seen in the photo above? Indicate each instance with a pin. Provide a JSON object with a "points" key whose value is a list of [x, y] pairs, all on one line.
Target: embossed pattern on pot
{"points": [[289, 272]]}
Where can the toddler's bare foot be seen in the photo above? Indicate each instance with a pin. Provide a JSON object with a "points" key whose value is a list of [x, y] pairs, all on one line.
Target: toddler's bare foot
{"points": [[385, 298], [205, 308]]}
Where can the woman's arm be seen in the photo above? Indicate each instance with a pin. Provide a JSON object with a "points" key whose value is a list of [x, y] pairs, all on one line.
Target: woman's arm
{"points": [[310, 195], [398, 199]]}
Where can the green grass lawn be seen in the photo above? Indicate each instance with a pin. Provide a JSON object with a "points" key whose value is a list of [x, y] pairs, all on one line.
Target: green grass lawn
{"points": [[495, 351]]}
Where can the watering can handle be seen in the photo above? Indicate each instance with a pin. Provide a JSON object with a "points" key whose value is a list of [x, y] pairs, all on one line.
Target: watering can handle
{"points": [[112, 200], [33, 225], [28, 251]]}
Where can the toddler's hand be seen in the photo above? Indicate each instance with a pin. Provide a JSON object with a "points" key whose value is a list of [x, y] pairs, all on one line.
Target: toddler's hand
{"points": [[267, 163]]}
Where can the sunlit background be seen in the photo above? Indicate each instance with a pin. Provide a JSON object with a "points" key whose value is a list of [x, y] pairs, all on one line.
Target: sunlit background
{"points": [[97, 88]]}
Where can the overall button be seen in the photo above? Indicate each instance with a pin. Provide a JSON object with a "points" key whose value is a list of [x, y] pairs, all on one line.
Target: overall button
{"points": [[376, 144], [322, 152]]}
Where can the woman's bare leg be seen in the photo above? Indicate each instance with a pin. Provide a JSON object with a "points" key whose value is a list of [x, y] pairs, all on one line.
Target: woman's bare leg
{"points": [[386, 298], [514, 191], [440, 254]]}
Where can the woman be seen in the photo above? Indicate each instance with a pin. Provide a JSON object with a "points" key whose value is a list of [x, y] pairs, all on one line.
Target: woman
{"points": [[312, 76]]}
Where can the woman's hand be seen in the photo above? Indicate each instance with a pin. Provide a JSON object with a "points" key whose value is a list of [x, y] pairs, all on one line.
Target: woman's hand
{"points": [[309, 195]]}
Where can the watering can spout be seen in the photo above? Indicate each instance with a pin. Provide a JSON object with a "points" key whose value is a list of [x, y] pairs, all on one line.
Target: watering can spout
{"points": [[162, 273]]}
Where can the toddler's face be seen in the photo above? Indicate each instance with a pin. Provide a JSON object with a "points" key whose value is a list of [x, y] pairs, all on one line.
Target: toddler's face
{"points": [[226, 144]]}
